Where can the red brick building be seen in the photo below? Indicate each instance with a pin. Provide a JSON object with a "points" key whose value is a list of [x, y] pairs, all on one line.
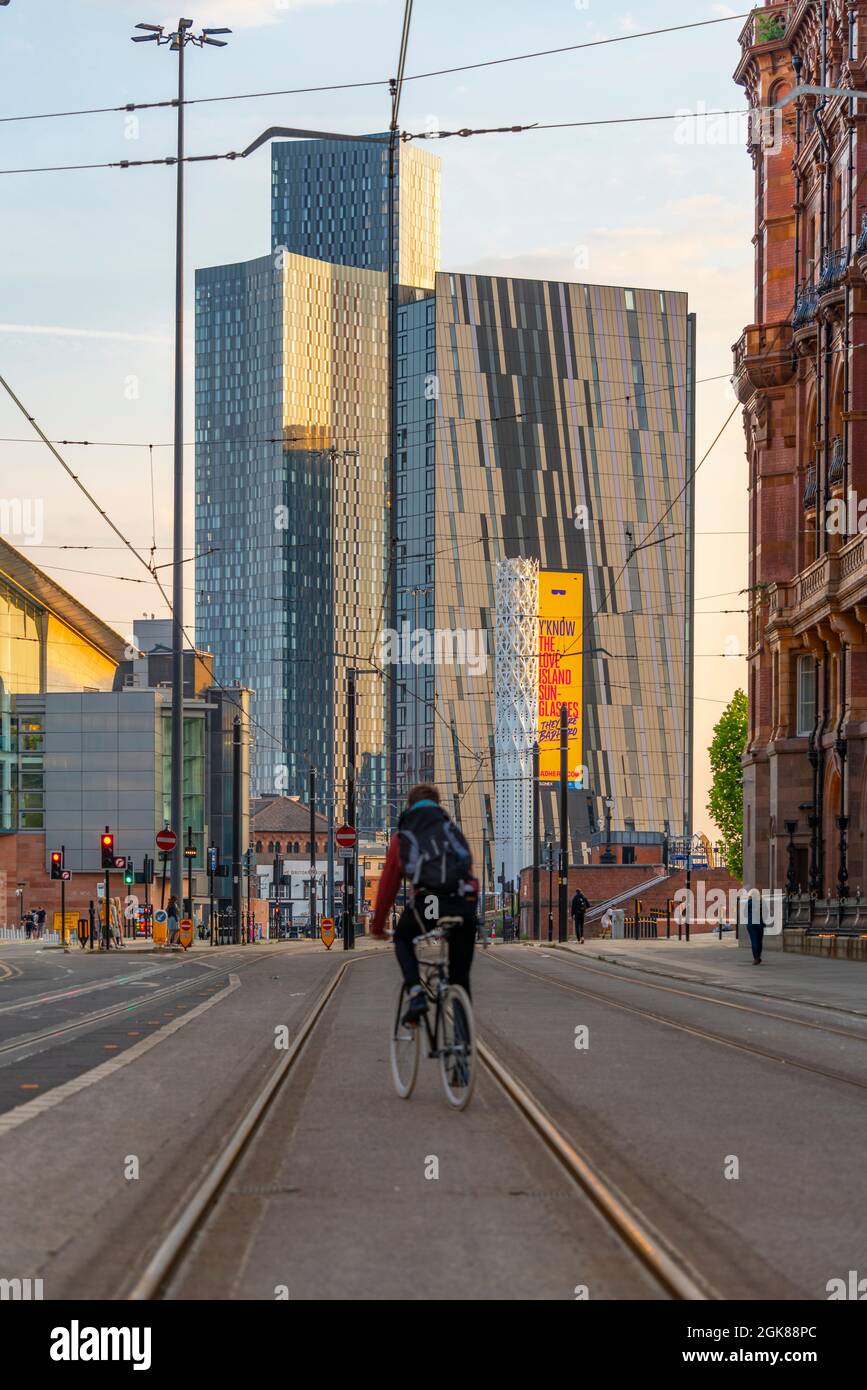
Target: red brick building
{"points": [[800, 370]]}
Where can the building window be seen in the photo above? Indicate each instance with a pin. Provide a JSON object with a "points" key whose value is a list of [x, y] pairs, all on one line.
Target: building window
{"points": [[806, 695], [258, 846]]}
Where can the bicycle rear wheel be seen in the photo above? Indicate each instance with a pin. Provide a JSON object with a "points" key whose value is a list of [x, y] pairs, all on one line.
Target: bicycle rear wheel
{"points": [[458, 1047], [404, 1048]]}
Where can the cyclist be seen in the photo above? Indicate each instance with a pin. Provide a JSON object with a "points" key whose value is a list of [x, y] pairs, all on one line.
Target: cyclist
{"points": [[429, 850]]}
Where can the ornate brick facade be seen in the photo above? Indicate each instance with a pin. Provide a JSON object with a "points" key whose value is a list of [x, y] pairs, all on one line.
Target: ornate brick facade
{"points": [[801, 373]]}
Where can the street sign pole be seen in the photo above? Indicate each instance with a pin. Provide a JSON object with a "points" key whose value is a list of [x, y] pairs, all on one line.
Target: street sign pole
{"points": [[564, 824], [189, 911], [107, 909]]}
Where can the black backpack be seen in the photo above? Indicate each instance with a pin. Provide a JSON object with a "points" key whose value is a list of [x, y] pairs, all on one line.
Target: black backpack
{"points": [[433, 852]]}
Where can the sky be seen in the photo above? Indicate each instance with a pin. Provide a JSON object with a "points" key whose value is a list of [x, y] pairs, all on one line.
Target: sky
{"points": [[87, 256]]}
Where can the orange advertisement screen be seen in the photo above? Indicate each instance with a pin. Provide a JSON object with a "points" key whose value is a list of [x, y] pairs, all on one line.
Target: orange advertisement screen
{"points": [[561, 608]]}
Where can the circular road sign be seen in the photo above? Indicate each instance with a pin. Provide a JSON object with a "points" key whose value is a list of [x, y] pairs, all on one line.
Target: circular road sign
{"points": [[166, 840], [345, 837]]}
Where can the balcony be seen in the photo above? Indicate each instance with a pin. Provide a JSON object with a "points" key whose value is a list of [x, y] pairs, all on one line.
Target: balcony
{"points": [[810, 490], [833, 271], [763, 357], [837, 467], [764, 26], [832, 282], [804, 317]]}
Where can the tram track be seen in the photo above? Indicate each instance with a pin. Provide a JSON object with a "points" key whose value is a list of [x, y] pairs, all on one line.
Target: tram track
{"points": [[620, 976], [693, 1029], [23, 1042], [185, 1239]]}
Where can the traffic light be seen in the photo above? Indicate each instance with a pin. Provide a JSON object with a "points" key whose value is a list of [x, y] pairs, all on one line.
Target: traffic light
{"points": [[107, 846], [56, 863], [128, 873]]}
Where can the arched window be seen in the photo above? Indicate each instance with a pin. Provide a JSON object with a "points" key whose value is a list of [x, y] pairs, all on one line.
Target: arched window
{"points": [[277, 847], [258, 846], [270, 846]]}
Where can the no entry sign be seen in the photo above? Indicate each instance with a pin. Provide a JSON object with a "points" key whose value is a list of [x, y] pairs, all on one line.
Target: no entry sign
{"points": [[166, 841], [345, 837]]}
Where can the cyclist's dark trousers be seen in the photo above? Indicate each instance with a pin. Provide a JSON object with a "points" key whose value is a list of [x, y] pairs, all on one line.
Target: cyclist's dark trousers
{"points": [[462, 940]]}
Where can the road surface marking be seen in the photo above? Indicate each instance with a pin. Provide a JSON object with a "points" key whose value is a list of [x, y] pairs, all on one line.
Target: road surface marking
{"points": [[29, 1109]]}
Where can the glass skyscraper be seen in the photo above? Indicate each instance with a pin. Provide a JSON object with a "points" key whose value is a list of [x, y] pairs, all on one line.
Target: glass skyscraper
{"points": [[291, 458], [544, 420]]}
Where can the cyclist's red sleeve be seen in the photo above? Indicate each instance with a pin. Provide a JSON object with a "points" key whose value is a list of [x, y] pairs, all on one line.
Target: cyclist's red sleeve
{"points": [[389, 884]]}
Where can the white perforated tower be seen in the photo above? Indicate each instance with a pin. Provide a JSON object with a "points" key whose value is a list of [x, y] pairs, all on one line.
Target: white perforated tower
{"points": [[517, 718]]}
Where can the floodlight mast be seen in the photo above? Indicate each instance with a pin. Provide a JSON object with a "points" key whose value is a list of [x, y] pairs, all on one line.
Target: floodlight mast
{"points": [[177, 41]]}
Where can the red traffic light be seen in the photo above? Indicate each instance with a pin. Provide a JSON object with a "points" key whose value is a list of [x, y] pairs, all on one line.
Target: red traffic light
{"points": [[106, 844], [56, 857], [57, 869]]}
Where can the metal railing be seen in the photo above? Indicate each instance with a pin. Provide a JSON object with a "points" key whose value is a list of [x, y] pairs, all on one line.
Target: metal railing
{"points": [[834, 267], [806, 305], [810, 489], [838, 462]]}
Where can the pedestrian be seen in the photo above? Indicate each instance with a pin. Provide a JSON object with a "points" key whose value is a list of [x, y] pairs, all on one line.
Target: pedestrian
{"points": [[173, 921], [40, 920], [579, 906], [28, 925], [755, 927]]}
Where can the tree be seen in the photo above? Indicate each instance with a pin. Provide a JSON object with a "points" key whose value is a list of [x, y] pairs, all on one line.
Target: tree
{"points": [[726, 803]]}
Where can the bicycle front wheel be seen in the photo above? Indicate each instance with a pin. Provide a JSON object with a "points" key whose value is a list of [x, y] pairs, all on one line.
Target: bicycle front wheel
{"points": [[404, 1048], [458, 1047]]}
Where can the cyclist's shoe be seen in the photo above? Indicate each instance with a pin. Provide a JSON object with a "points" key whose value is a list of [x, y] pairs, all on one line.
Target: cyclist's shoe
{"points": [[417, 1007]]}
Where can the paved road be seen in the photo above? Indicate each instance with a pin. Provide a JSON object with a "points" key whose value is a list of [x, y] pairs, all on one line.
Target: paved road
{"points": [[681, 1084]]}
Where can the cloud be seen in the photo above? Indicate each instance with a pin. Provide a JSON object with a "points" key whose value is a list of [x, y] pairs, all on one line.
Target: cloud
{"points": [[252, 14], [53, 331]]}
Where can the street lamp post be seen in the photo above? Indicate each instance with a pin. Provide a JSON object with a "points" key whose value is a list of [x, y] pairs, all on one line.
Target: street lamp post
{"points": [[177, 41], [607, 857]]}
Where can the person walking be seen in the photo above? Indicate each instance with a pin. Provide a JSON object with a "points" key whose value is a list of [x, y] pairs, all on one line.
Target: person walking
{"points": [[579, 906], [173, 923], [755, 928]]}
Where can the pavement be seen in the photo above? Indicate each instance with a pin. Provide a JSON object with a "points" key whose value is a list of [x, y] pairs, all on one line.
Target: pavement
{"points": [[734, 1123], [823, 983]]}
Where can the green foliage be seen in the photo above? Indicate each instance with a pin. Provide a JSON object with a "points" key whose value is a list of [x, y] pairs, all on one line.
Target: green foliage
{"points": [[726, 803], [769, 27]]}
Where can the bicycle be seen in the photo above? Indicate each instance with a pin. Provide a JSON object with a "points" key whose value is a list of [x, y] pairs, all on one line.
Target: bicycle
{"points": [[452, 1035]]}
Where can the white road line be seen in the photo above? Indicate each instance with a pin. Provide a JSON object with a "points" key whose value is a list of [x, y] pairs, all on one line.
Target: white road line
{"points": [[31, 1108]]}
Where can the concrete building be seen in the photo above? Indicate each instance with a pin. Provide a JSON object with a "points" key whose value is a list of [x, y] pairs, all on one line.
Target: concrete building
{"points": [[103, 758], [801, 374], [48, 642]]}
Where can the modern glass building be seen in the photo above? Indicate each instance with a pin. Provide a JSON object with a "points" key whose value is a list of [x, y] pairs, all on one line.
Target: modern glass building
{"points": [[330, 202], [291, 458], [548, 421], [544, 420]]}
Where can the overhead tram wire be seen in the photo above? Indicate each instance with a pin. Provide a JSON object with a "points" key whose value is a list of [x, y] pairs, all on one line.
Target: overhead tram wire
{"points": [[406, 136], [131, 548], [513, 417], [375, 82]]}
